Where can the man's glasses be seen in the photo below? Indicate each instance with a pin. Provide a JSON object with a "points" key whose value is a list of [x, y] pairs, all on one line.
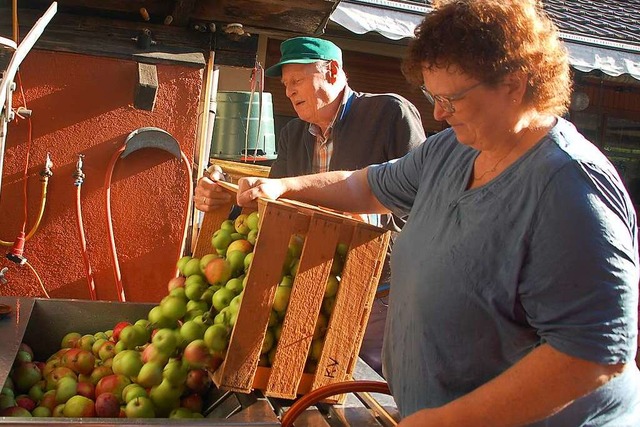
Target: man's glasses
{"points": [[446, 102]]}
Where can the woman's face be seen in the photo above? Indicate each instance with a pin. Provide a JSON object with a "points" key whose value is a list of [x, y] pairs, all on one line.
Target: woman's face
{"points": [[307, 89], [478, 114]]}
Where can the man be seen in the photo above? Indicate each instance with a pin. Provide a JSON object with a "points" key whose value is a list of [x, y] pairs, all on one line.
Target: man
{"points": [[336, 129]]}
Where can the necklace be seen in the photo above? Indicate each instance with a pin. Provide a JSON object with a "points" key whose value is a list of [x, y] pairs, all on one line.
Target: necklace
{"points": [[493, 169]]}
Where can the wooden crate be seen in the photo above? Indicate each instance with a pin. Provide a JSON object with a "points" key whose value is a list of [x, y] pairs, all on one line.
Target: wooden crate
{"points": [[323, 230]]}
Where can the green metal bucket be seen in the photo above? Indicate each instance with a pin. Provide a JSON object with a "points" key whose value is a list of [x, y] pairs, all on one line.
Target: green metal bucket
{"points": [[230, 127]]}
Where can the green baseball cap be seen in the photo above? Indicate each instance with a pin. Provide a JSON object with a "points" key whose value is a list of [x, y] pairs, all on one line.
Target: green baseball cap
{"points": [[304, 50]]}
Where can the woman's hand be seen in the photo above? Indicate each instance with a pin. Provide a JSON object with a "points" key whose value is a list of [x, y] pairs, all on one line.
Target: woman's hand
{"points": [[209, 196], [250, 189]]}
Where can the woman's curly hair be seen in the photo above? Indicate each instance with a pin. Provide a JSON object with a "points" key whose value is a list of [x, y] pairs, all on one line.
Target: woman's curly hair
{"points": [[489, 39]]}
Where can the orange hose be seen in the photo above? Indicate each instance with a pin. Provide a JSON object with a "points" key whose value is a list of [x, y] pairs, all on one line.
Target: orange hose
{"points": [[112, 241], [331, 390], [83, 246]]}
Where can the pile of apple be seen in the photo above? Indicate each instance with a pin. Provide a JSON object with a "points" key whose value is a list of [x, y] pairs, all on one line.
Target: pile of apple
{"points": [[159, 366]]}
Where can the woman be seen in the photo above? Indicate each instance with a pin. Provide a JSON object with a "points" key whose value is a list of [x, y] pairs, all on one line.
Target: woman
{"points": [[514, 282]]}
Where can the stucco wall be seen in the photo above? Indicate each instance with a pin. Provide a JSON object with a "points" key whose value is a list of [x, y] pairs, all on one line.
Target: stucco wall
{"points": [[84, 105]]}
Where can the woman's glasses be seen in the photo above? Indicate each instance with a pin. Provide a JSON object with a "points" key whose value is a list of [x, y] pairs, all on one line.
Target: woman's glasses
{"points": [[446, 102]]}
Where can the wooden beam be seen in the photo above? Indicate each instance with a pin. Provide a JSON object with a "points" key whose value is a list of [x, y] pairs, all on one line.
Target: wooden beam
{"points": [[146, 87]]}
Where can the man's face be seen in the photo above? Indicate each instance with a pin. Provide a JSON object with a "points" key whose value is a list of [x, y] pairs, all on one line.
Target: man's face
{"points": [[308, 90]]}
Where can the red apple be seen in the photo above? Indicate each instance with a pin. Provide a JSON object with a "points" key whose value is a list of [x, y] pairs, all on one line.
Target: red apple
{"points": [[87, 389], [26, 402], [107, 406], [100, 372], [49, 400], [241, 245], [197, 354], [117, 329], [198, 380], [192, 402], [112, 384], [218, 271], [15, 411], [70, 340], [176, 282]]}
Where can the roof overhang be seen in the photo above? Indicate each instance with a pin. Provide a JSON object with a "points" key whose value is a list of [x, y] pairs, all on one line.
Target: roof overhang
{"points": [[398, 21]]}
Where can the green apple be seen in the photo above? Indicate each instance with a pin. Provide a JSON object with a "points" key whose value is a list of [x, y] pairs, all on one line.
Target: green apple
{"points": [[192, 267], [86, 342], [234, 285], [247, 261], [127, 363], [158, 320], [316, 349], [281, 301], [175, 372], [227, 225], [134, 336], [296, 243], [221, 239], [269, 341], [236, 260], [332, 286], [41, 412], [342, 249], [241, 225], [252, 237], [65, 389], [150, 374], [337, 265], [191, 331], [193, 291], [216, 337], [222, 298], [253, 220], [134, 390], [321, 326], [165, 340], [165, 398], [180, 413], [182, 262], [327, 305], [79, 406], [173, 307], [140, 407]]}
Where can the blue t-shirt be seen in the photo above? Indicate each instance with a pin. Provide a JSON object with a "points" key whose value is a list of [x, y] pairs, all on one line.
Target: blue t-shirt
{"points": [[544, 253]]}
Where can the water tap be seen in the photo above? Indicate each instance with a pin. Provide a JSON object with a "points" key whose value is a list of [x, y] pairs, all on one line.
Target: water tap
{"points": [[78, 174], [46, 172], [3, 277]]}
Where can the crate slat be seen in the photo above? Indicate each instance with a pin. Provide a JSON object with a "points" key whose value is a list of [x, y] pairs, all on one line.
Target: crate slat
{"points": [[353, 305], [238, 369], [304, 306]]}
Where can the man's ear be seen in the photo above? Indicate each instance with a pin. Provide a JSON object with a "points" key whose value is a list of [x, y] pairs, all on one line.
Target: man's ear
{"points": [[332, 72]]}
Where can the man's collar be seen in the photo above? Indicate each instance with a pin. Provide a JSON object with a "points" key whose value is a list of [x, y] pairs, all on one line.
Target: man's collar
{"points": [[342, 109]]}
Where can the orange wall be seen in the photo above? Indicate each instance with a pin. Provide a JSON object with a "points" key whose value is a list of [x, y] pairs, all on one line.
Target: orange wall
{"points": [[84, 105]]}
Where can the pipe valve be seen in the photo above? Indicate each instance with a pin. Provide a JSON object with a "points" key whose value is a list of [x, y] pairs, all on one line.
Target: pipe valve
{"points": [[46, 172], [78, 174]]}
